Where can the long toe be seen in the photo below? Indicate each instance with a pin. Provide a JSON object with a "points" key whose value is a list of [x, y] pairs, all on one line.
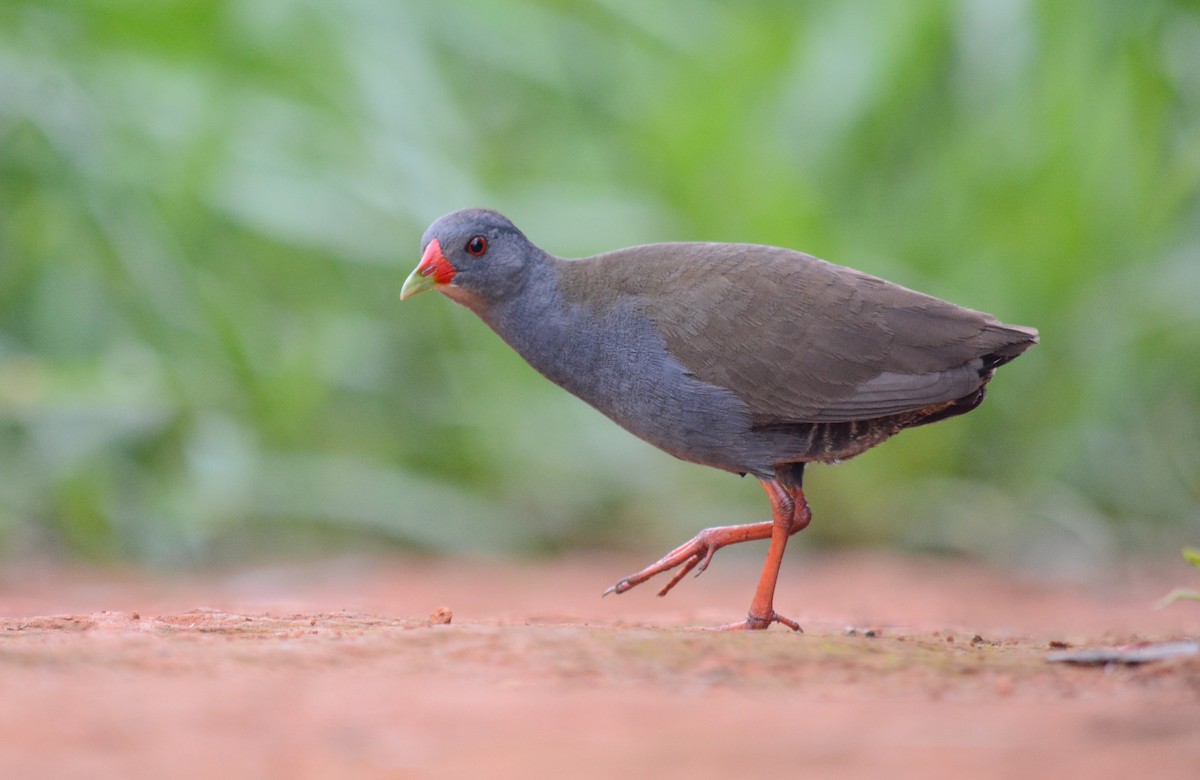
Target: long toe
{"points": [[696, 553], [753, 623]]}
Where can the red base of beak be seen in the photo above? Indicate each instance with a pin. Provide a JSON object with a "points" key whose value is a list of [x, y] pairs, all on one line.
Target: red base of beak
{"points": [[434, 263]]}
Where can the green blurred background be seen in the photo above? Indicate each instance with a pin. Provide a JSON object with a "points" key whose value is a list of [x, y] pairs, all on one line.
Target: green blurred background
{"points": [[207, 209]]}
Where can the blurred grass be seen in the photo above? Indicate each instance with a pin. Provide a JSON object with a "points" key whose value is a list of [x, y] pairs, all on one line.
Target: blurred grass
{"points": [[207, 208]]}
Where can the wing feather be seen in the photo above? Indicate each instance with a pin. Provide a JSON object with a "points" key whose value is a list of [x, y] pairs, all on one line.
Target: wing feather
{"points": [[798, 339]]}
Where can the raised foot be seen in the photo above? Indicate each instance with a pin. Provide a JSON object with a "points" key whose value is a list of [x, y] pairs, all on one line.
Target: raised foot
{"points": [[754, 623], [696, 553]]}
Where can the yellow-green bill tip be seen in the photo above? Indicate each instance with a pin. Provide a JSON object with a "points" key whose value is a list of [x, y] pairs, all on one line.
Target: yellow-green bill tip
{"points": [[416, 284]]}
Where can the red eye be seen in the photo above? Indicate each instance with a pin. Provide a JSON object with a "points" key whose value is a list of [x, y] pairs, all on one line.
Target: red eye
{"points": [[477, 245]]}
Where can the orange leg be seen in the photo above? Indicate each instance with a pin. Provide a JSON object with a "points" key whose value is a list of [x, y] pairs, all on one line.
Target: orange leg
{"points": [[790, 513]]}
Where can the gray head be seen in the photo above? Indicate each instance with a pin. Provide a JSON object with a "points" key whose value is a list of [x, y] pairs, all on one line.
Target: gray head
{"points": [[473, 256]]}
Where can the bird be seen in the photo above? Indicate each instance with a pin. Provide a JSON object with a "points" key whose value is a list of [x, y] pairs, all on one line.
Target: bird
{"points": [[747, 358]]}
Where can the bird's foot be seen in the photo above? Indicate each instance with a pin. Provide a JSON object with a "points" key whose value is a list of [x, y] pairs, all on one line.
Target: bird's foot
{"points": [[755, 623], [696, 554]]}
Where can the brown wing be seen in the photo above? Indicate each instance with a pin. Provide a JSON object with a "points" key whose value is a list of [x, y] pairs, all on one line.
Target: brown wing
{"points": [[803, 340]]}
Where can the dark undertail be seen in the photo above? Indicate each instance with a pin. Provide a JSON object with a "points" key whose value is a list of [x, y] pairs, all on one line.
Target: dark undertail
{"points": [[841, 440], [972, 400], [953, 409], [831, 441]]}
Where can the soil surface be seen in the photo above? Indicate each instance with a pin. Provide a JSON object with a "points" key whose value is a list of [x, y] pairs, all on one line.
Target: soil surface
{"points": [[348, 668]]}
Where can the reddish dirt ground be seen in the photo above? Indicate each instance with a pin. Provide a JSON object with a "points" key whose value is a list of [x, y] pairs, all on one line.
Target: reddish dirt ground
{"points": [[334, 669]]}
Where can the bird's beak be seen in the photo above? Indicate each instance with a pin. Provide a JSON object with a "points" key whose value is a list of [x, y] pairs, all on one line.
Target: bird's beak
{"points": [[433, 270]]}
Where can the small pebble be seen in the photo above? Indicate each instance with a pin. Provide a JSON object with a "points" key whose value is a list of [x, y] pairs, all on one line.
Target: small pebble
{"points": [[441, 616]]}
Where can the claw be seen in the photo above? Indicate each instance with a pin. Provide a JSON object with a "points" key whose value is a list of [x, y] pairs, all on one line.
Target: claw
{"points": [[619, 587]]}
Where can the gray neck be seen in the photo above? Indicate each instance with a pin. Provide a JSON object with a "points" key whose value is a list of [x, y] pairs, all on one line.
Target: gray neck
{"points": [[611, 356], [558, 338]]}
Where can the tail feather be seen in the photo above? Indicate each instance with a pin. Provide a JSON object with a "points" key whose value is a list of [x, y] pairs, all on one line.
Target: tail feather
{"points": [[1013, 340]]}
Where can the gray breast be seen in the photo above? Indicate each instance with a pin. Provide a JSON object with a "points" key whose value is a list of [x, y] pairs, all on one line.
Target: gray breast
{"points": [[616, 361]]}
